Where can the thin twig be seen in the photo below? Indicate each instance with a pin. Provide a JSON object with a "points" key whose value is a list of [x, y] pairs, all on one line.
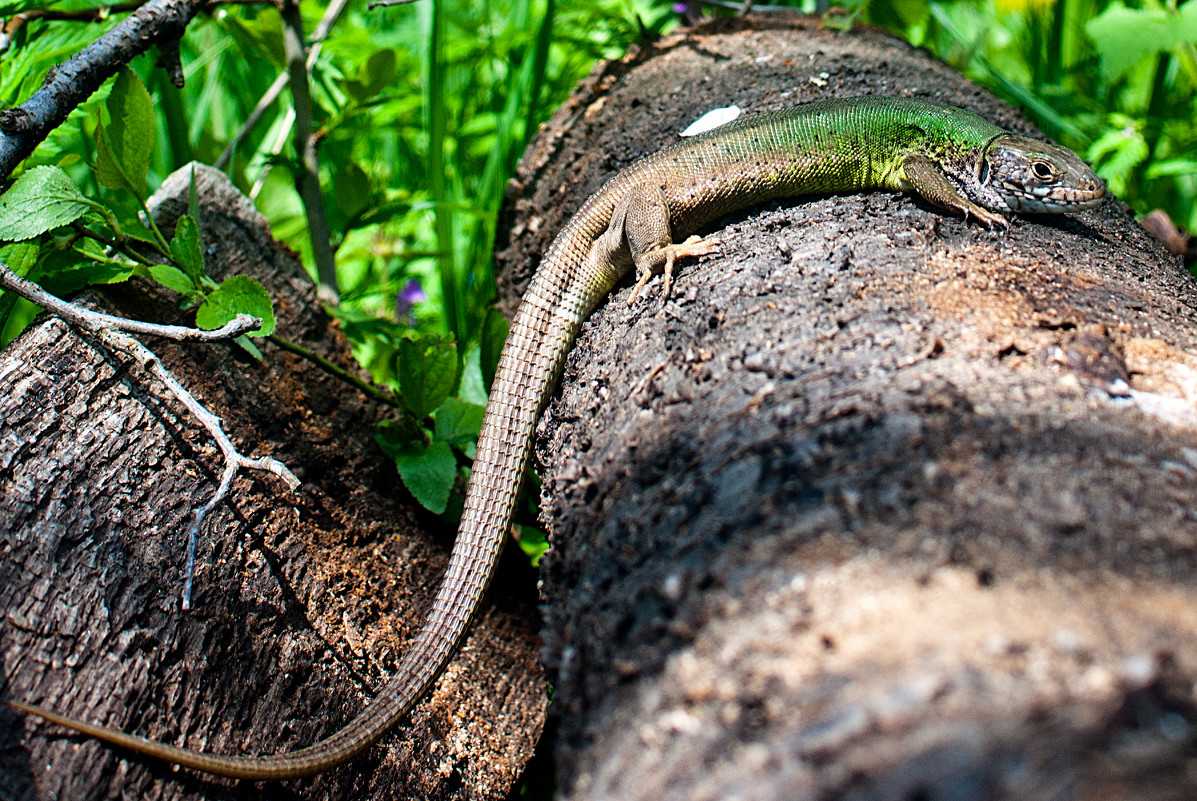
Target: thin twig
{"points": [[96, 321], [101, 13], [233, 459], [109, 330], [387, 3], [306, 140], [337, 372], [331, 15]]}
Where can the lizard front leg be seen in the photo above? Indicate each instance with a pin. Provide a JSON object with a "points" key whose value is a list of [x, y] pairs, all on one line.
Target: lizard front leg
{"points": [[920, 174], [640, 230]]}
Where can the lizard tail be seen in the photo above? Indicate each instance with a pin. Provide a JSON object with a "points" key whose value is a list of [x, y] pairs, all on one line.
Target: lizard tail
{"points": [[540, 337]]}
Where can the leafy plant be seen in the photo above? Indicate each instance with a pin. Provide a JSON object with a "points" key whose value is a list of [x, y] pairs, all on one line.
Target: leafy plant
{"points": [[67, 241]]}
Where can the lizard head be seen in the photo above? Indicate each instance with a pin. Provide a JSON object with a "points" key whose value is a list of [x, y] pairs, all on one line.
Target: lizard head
{"points": [[1026, 175]]}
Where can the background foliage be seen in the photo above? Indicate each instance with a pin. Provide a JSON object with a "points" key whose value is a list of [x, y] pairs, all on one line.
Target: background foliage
{"points": [[423, 110]]}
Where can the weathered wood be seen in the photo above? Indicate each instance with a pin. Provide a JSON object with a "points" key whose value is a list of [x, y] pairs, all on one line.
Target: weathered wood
{"points": [[303, 601], [862, 510]]}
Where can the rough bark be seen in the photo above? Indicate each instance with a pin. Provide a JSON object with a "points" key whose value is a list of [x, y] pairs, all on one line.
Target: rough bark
{"points": [[303, 601], [863, 510]]}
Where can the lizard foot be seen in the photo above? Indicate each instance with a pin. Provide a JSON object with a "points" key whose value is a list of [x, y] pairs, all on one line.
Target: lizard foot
{"points": [[994, 222], [662, 261]]}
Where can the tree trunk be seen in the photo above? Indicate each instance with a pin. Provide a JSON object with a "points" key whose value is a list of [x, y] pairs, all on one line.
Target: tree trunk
{"points": [[303, 602], [878, 504]]}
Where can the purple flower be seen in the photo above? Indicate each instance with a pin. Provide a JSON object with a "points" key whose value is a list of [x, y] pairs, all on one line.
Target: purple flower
{"points": [[411, 294]]}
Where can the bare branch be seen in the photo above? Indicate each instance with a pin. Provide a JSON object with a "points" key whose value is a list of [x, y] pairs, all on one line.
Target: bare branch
{"points": [[109, 329], [66, 86], [307, 182], [94, 322], [233, 459], [331, 15]]}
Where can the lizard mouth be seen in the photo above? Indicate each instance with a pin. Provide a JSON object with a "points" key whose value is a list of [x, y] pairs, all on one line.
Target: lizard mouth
{"points": [[1050, 199]]}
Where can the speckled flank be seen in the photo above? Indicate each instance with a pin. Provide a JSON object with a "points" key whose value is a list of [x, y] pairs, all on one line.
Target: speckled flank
{"points": [[853, 144]]}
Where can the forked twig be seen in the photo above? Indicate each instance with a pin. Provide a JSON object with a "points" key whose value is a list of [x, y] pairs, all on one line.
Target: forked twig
{"points": [[110, 330]]}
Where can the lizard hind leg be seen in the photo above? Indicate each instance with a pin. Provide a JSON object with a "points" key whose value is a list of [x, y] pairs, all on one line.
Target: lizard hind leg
{"points": [[650, 240]]}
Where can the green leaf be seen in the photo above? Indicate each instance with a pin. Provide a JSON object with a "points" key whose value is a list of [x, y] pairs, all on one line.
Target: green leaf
{"points": [[533, 543], [172, 278], [352, 189], [239, 294], [428, 473], [470, 386], [82, 274], [1171, 167], [187, 249], [249, 347], [458, 423], [493, 336], [378, 72], [123, 145], [427, 371], [1123, 36], [1119, 151], [20, 256], [129, 219], [394, 437], [193, 209], [41, 199]]}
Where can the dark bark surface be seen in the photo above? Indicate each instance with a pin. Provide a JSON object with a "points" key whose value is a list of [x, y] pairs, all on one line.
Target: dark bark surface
{"points": [[303, 601], [879, 504]]}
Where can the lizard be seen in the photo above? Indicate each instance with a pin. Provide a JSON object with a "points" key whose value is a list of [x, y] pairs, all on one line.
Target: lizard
{"points": [[950, 157]]}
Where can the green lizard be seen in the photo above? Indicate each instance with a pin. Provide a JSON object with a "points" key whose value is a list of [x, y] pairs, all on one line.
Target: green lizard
{"points": [[950, 157]]}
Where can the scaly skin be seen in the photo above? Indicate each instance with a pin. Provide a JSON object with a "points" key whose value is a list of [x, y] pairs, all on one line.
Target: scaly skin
{"points": [[951, 157]]}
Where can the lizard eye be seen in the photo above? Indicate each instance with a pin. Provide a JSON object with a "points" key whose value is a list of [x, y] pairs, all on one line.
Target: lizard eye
{"points": [[983, 172], [1042, 170]]}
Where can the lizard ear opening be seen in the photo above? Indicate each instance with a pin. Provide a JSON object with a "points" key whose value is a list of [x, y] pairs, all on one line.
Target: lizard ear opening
{"points": [[983, 171]]}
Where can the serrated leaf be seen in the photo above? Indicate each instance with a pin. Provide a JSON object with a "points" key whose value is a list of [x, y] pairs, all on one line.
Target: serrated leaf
{"points": [[41, 199], [172, 278], [428, 473], [239, 294], [187, 249], [493, 336], [123, 145], [427, 370]]}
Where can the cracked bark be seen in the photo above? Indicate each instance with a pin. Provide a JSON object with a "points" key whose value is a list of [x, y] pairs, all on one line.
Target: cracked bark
{"points": [[303, 601], [863, 511]]}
